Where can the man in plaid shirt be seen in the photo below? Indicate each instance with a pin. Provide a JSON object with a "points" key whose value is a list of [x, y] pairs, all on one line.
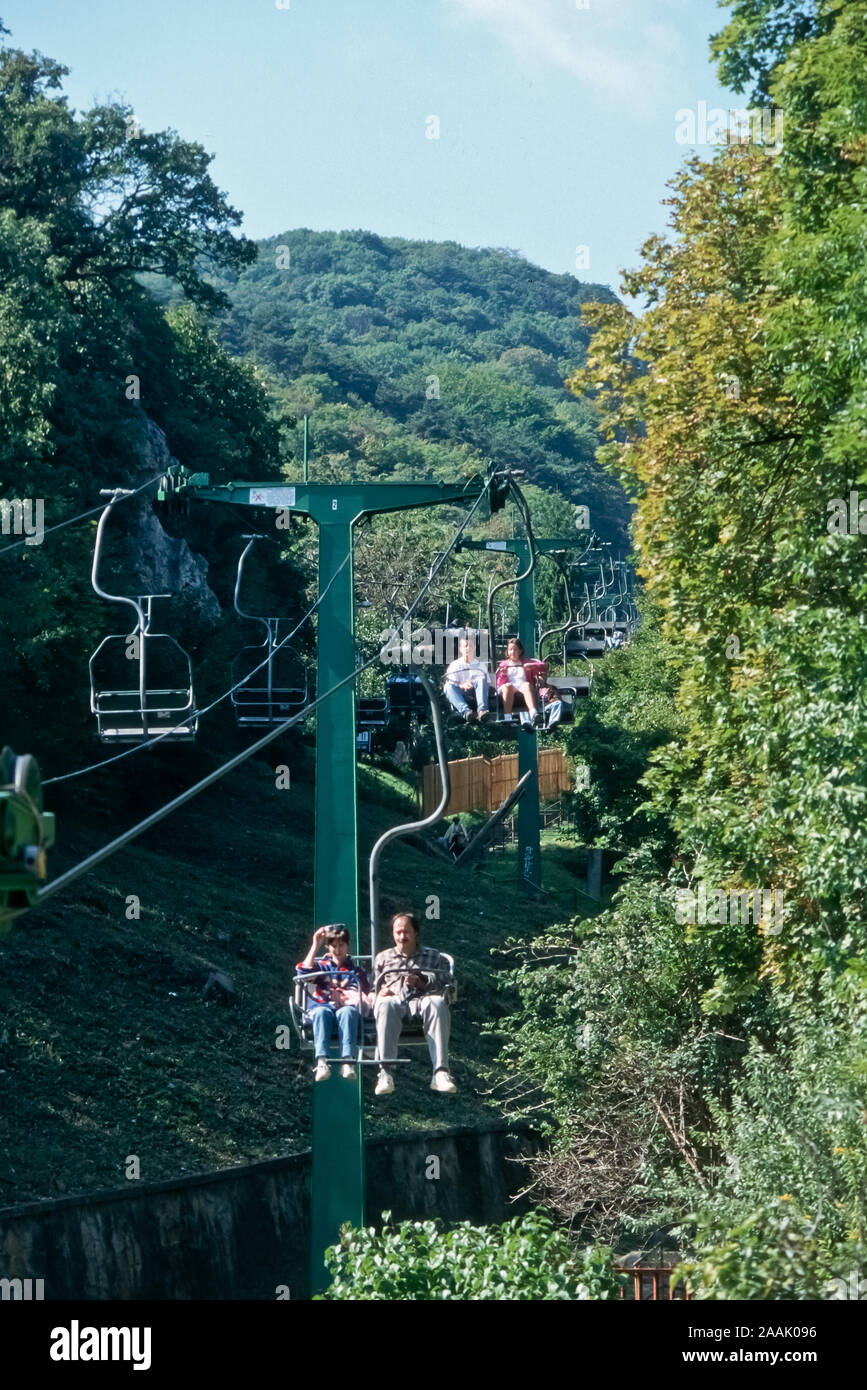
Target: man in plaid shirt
{"points": [[409, 980]]}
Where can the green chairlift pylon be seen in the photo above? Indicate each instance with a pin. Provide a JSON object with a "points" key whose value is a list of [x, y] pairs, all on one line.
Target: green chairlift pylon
{"points": [[338, 1147]]}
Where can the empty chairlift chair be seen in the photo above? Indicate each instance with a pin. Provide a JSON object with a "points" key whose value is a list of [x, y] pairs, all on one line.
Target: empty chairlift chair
{"points": [[588, 641], [372, 716], [269, 679], [407, 701], [141, 682]]}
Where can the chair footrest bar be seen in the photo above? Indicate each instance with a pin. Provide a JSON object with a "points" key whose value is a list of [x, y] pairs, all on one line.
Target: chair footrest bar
{"points": [[388, 1062]]}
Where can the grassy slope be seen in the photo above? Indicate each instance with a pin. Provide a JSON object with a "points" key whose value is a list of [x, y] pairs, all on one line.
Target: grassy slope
{"points": [[107, 1047]]}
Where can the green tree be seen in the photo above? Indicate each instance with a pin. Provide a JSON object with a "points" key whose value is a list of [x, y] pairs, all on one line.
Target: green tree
{"points": [[88, 204], [116, 200], [733, 409]]}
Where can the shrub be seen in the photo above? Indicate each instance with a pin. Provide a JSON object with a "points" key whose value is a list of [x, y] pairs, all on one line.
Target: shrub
{"points": [[526, 1258]]}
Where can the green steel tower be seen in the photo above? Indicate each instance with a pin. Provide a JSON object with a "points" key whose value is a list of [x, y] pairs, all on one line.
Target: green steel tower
{"points": [[338, 1146]]}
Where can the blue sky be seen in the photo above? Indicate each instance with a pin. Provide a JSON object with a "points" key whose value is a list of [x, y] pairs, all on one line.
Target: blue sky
{"points": [[556, 122]]}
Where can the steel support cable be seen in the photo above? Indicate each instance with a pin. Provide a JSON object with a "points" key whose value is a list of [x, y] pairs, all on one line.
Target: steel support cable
{"points": [[156, 816], [70, 521]]}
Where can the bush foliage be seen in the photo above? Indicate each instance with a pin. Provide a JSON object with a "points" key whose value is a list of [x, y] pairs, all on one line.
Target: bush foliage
{"points": [[527, 1258]]}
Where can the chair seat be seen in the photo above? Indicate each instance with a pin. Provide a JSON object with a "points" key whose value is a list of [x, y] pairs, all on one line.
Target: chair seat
{"points": [[135, 733], [372, 714], [412, 1032]]}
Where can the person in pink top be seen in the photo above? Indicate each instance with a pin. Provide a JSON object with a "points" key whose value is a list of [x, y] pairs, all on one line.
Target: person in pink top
{"points": [[523, 675]]}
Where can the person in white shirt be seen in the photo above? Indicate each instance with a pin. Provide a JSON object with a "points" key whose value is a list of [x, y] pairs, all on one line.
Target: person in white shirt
{"points": [[455, 838], [467, 673]]}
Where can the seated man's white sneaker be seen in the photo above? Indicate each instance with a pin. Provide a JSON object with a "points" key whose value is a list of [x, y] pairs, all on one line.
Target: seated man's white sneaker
{"points": [[323, 1071], [443, 1082], [347, 1071], [384, 1083]]}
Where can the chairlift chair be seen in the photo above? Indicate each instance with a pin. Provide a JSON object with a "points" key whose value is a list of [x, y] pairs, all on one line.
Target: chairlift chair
{"points": [[161, 701], [407, 700], [576, 687], [602, 585], [518, 722], [371, 713], [620, 600], [269, 680], [606, 622], [412, 1031], [587, 642], [372, 717]]}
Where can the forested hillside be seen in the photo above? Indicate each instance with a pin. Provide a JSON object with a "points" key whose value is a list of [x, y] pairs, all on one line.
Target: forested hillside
{"points": [[100, 387], [104, 383], [419, 358]]}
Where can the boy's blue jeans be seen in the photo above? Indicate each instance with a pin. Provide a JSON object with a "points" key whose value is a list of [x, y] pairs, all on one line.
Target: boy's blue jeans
{"points": [[323, 1017]]}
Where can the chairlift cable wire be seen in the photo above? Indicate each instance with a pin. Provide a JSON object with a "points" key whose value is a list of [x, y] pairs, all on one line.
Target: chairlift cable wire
{"points": [[156, 816], [82, 515]]}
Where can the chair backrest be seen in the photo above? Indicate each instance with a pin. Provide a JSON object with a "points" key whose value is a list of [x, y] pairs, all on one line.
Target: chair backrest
{"points": [[161, 702], [371, 713], [268, 687], [406, 696]]}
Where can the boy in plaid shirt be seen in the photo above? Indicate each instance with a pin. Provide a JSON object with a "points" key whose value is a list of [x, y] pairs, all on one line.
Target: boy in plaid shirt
{"points": [[338, 999]]}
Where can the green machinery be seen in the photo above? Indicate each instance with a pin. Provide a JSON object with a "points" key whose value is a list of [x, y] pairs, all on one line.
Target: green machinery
{"points": [[26, 832], [338, 1152], [529, 844]]}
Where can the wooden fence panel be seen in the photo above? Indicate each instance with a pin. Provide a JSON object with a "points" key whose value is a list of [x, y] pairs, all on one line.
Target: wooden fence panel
{"points": [[504, 779], [470, 786], [482, 784]]}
